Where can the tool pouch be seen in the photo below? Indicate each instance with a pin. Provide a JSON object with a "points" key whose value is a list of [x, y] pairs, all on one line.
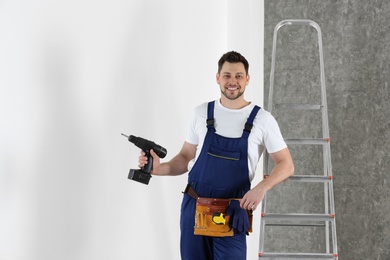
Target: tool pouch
{"points": [[210, 216]]}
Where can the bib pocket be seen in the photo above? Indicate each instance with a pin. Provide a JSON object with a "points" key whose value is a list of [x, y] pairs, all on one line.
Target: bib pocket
{"points": [[224, 154], [222, 167]]}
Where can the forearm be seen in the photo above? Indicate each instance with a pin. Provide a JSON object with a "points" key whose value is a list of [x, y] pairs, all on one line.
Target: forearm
{"points": [[279, 173], [176, 166], [284, 168]]}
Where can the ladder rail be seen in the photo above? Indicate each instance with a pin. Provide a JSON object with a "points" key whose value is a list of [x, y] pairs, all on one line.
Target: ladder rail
{"points": [[262, 226]]}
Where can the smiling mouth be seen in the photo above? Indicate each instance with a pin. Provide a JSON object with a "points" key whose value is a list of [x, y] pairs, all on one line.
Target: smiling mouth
{"points": [[232, 88]]}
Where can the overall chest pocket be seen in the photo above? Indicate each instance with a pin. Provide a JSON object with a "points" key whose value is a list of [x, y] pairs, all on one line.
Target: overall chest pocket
{"points": [[223, 169], [224, 165], [224, 154]]}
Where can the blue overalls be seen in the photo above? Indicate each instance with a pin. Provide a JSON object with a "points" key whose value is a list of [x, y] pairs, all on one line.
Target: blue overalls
{"points": [[221, 171]]}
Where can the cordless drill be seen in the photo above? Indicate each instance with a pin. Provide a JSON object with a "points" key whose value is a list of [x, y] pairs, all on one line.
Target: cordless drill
{"points": [[143, 175]]}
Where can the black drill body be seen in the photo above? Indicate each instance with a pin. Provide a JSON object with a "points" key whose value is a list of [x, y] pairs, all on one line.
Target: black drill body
{"points": [[143, 175]]}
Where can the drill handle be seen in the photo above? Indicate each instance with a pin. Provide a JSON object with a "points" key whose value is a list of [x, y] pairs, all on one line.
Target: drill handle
{"points": [[149, 166]]}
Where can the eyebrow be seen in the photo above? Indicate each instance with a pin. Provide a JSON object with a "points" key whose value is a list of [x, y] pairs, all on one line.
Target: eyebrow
{"points": [[236, 73]]}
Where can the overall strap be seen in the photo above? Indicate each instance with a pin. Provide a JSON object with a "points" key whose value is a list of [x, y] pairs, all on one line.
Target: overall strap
{"points": [[210, 116], [249, 122]]}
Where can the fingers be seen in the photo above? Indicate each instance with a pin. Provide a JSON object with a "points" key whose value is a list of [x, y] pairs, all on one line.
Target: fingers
{"points": [[142, 159], [249, 203]]}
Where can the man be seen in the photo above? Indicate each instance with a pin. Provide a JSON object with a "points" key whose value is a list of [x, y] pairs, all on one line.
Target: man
{"points": [[224, 143]]}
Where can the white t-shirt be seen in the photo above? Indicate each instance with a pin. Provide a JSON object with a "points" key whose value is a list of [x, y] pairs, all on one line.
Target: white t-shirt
{"points": [[265, 133]]}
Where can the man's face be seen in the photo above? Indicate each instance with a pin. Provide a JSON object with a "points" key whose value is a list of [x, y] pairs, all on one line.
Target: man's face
{"points": [[232, 80]]}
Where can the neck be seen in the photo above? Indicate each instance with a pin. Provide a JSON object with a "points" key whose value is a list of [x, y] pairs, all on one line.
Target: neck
{"points": [[233, 104]]}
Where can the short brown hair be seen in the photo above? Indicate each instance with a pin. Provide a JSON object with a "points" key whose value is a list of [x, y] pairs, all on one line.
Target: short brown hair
{"points": [[233, 57]]}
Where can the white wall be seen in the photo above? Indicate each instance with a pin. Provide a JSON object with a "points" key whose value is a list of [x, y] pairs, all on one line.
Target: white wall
{"points": [[76, 74]]}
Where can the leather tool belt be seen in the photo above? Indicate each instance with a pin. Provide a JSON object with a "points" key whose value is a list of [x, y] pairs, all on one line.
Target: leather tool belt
{"points": [[210, 216]]}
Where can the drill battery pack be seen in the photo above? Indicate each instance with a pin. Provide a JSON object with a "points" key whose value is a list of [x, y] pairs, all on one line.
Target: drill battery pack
{"points": [[140, 176]]}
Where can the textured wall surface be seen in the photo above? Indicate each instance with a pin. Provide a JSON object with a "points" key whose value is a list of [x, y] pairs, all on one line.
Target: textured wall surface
{"points": [[356, 40]]}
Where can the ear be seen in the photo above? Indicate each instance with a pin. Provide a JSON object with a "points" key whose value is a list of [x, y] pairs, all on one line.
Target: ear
{"points": [[217, 77], [248, 77]]}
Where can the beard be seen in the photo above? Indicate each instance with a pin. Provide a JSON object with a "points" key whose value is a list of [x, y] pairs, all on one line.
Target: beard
{"points": [[229, 96]]}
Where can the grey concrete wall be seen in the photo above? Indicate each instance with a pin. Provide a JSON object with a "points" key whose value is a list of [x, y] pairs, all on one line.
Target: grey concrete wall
{"points": [[356, 39]]}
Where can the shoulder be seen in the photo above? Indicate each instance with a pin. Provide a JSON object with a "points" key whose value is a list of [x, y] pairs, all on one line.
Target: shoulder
{"points": [[263, 114], [199, 115], [264, 120], [201, 110], [202, 107]]}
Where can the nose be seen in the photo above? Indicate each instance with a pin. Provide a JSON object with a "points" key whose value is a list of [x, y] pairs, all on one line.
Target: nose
{"points": [[232, 81]]}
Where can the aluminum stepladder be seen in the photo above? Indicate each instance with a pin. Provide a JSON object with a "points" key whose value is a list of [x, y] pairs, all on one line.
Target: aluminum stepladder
{"points": [[328, 217]]}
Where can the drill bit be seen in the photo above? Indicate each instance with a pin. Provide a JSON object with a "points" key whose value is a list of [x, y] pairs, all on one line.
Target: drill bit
{"points": [[125, 136]]}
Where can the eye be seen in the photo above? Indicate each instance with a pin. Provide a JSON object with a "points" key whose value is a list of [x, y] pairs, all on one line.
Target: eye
{"points": [[226, 76], [239, 76]]}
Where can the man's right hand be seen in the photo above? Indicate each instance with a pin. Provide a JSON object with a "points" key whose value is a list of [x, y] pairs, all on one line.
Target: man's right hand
{"points": [[143, 160]]}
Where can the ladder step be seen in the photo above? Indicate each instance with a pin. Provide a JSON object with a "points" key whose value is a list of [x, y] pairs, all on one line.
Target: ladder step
{"points": [[307, 140], [307, 178], [310, 178], [299, 255], [298, 217], [299, 106], [294, 225]]}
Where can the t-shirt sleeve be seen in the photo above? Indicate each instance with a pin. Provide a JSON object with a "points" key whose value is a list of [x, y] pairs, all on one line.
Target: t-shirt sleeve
{"points": [[191, 136], [273, 139]]}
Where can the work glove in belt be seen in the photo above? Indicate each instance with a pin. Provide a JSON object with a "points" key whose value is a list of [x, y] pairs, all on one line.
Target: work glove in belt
{"points": [[239, 219]]}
